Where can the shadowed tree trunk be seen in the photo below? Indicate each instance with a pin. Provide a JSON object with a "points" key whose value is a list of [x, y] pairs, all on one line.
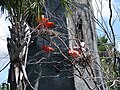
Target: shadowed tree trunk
{"points": [[52, 73], [18, 50], [80, 26]]}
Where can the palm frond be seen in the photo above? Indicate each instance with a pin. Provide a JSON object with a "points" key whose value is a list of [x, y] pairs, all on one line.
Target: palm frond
{"points": [[29, 9]]}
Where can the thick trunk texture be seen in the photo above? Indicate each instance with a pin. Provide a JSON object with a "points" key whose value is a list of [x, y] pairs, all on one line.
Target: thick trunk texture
{"points": [[51, 73], [82, 25], [45, 75], [17, 46]]}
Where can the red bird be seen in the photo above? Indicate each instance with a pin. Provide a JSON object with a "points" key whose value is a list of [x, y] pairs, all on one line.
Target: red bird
{"points": [[49, 24], [74, 53], [43, 23], [46, 48], [42, 20]]}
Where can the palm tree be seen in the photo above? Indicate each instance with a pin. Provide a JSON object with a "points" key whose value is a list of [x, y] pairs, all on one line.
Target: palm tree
{"points": [[20, 14], [54, 70]]}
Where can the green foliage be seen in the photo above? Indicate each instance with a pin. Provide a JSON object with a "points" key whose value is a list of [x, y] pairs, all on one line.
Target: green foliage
{"points": [[103, 44], [67, 4], [102, 41], [29, 9], [34, 10], [101, 47], [107, 62], [6, 87], [109, 73]]}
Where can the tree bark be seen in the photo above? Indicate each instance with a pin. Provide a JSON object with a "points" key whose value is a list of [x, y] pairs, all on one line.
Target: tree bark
{"points": [[17, 46], [52, 73], [81, 23], [44, 75]]}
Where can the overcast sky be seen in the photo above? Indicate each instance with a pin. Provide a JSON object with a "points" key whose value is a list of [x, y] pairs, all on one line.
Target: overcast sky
{"points": [[5, 33], [4, 57]]}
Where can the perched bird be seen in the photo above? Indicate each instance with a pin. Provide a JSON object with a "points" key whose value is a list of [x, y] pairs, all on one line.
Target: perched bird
{"points": [[46, 48], [43, 22], [74, 53], [49, 24], [82, 44]]}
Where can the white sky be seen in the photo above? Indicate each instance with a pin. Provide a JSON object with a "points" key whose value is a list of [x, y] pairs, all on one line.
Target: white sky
{"points": [[98, 4], [3, 33], [4, 59]]}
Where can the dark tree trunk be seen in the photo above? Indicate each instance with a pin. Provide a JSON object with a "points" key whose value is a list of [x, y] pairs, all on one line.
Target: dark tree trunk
{"points": [[51, 73], [18, 47]]}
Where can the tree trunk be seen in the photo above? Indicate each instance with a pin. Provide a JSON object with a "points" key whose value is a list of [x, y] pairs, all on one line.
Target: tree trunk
{"points": [[17, 46], [82, 26], [51, 72]]}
